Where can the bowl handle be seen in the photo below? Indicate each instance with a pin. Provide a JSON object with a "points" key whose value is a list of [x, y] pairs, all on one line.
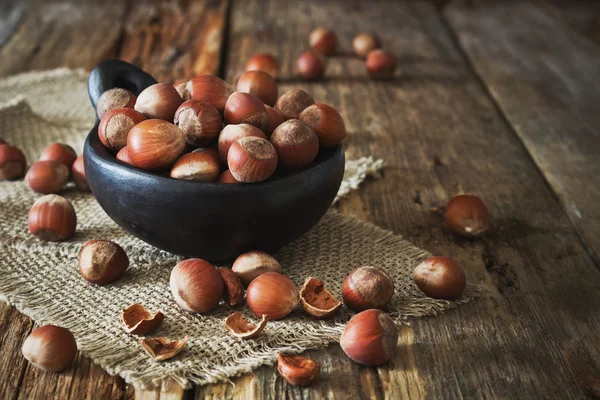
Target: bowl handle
{"points": [[117, 73]]}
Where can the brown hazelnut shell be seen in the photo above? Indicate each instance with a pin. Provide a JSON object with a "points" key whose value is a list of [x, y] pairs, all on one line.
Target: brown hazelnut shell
{"points": [[311, 65], [440, 278], [123, 156], [139, 321], [159, 101], [50, 347], [252, 159], [114, 98], [296, 144], [199, 121], [274, 119], [366, 288], [227, 177], [102, 261], [380, 64], [241, 328], [59, 152], [273, 295], [259, 84], [114, 127], [210, 89], [467, 215], [196, 166], [327, 123], [155, 144], [47, 176], [264, 62], [363, 43], [182, 89], [196, 285], [160, 348], [52, 218], [370, 338], [323, 40], [78, 175], [234, 289], [232, 133], [297, 370], [12, 162], [252, 264], [317, 301], [244, 108], [291, 104]]}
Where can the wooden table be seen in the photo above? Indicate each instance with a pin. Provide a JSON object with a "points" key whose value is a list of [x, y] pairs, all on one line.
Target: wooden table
{"points": [[497, 99]]}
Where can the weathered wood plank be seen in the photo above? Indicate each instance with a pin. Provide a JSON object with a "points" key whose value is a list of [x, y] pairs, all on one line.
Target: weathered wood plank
{"points": [[14, 328], [581, 16], [440, 135], [544, 77]]}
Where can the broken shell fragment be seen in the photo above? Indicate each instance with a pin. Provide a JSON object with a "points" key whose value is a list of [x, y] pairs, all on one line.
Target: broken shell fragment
{"points": [[317, 301], [139, 321], [240, 327], [298, 370], [234, 289], [160, 348]]}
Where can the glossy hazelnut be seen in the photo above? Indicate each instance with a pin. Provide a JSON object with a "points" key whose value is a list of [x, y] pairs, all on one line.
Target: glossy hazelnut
{"points": [[323, 40], [233, 289], [62, 153], [327, 123], [252, 264], [440, 278], [182, 89], [227, 177], [196, 285], [367, 287], [12, 162], [273, 295], [467, 215], [291, 104], [159, 101], [47, 176], [199, 121], [52, 218], [311, 65], [212, 151], [50, 348], [264, 62], [196, 166], [231, 133], [317, 301], [297, 370], [370, 338], [274, 119], [363, 43], [244, 108], [115, 126], [381, 64], [259, 84], [78, 174], [155, 144], [123, 156], [113, 99], [252, 159], [296, 144], [210, 89], [102, 262]]}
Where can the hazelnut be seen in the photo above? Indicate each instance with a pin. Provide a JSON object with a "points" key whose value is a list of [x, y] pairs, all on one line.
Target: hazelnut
{"points": [[274, 119], [78, 174], [196, 166], [102, 262], [50, 348], [252, 159], [155, 144], [327, 123], [317, 301], [323, 40], [47, 176], [182, 89], [311, 65], [59, 152], [160, 348], [210, 89], [196, 285], [291, 104], [231, 133], [115, 126], [113, 99], [381, 64], [159, 101], [370, 338], [264, 62], [2, 141], [367, 287], [297, 370], [212, 151], [12, 162], [259, 84], [244, 108], [363, 43], [440, 278], [241, 328], [250, 265], [467, 215], [52, 218], [296, 144], [139, 321], [199, 121], [227, 177], [123, 156], [233, 289], [273, 295]]}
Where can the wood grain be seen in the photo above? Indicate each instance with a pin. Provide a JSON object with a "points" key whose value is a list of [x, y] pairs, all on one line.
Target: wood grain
{"points": [[544, 77]]}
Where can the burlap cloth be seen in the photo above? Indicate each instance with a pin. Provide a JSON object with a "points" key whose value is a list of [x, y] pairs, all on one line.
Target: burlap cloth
{"points": [[42, 280]]}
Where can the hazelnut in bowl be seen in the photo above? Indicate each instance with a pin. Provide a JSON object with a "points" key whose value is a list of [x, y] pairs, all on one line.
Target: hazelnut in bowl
{"points": [[210, 220]]}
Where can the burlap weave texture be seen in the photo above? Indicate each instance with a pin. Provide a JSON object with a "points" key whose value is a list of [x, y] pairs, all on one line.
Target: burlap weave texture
{"points": [[41, 279]]}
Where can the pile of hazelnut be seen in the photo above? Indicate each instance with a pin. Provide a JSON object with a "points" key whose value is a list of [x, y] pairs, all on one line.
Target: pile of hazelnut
{"points": [[380, 64], [193, 129]]}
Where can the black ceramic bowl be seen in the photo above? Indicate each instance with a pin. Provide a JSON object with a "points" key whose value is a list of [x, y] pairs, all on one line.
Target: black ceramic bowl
{"points": [[213, 221]]}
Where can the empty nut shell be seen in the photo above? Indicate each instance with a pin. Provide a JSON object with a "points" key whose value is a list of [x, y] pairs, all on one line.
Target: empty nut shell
{"points": [[160, 348], [317, 301], [234, 289], [139, 321], [241, 328], [297, 370], [102, 261]]}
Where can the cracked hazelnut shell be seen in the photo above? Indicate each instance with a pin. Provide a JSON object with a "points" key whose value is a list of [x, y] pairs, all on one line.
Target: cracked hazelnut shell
{"points": [[370, 338], [440, 278], [241, 328], [367, 287], [102, 261], [160, 348], [233, 288], [317, 301], [139, 321], [297, 370]]}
